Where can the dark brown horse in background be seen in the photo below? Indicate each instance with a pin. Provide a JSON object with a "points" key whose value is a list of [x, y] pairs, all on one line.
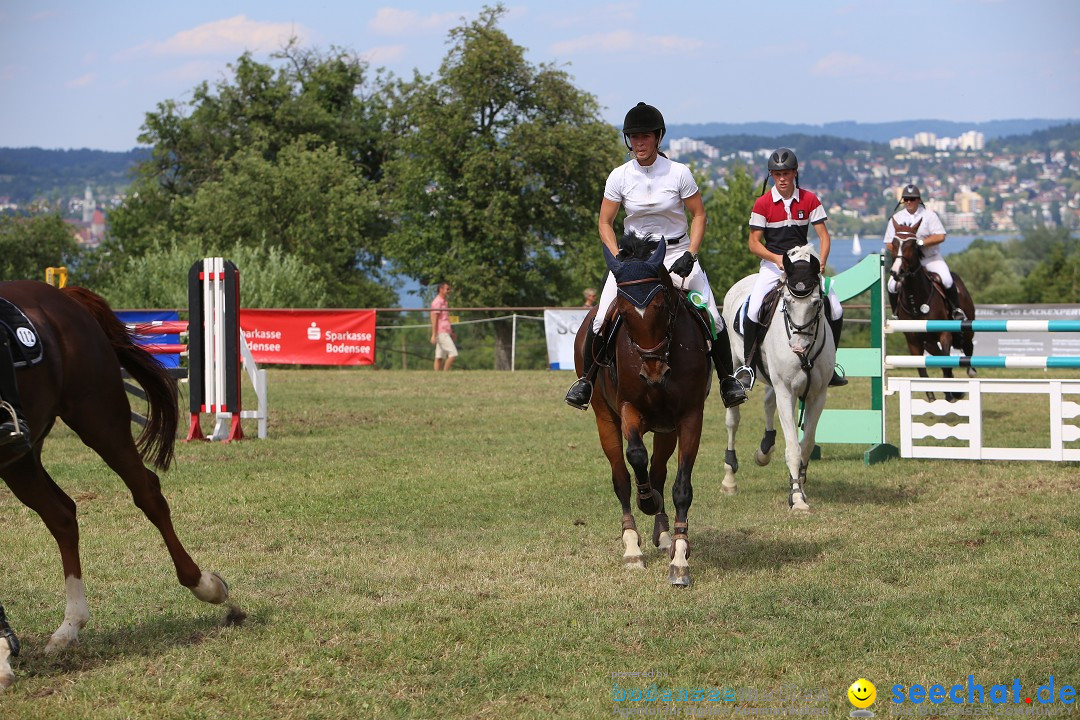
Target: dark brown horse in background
{"points": [[658, 382], [920, 296], [79, 381]]}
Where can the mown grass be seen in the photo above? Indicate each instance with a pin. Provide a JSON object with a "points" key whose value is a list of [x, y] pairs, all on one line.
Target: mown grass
{"points": [[411, 545]]}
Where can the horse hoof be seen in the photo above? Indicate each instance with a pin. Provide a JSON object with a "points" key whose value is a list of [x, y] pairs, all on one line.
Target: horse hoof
{"points": [[212, 589], [7, 679], [762, 459], [678, 576], [729, 488], [634, 563]]}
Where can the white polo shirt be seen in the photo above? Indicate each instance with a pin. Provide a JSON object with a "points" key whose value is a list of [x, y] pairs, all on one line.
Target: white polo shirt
{"points": [[931, 225], [653, 197]]}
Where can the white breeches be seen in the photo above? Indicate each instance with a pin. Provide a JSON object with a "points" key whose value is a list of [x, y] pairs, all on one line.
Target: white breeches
{"points": [[768, 276], [933, 264], [696, 280]]}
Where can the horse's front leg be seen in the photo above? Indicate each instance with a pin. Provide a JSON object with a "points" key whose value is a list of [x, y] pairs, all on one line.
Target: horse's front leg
{"points": [[731, 460], [682, 495], [785, 404], [811, 416], [607, 425], [648, 500], [763, 455], [9, 648], [915, 345], [663, 447]]}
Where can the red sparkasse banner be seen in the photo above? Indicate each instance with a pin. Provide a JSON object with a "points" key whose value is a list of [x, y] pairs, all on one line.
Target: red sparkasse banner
{"points": [[310, 337]]}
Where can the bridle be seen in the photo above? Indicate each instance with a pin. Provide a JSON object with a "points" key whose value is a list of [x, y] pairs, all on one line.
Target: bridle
{"points": [[662, 350], [811, 328], [909, 269]]}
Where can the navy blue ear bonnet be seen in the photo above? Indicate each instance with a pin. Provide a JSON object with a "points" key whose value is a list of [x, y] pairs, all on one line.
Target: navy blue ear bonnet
{"points": [[646, 262]]}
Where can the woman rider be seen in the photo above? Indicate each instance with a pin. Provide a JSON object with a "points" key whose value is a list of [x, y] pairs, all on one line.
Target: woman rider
{"points": [[656, 194]]}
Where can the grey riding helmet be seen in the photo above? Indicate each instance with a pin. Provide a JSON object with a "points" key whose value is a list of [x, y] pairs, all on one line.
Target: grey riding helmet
{"points": [[783, 159], [643, 118]]}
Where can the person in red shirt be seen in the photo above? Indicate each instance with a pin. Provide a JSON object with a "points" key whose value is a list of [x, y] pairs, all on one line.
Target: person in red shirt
{"points": [[780, 221]]}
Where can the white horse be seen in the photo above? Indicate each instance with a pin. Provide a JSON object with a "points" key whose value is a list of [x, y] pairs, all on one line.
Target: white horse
{"points": [[9, 647], [796, 358]]}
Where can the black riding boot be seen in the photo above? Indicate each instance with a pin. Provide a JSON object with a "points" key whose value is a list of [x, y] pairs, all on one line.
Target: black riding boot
{"points": [[894, 297], [580, 393], [8, 634], [731, 390], [745, 373], [14, 433], [837, 327], [953, 297]]}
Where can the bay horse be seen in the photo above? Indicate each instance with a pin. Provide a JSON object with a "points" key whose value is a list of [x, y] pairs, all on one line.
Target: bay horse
{"points": [[920, 296], [79, 380], [657, 382], [797, 358]]}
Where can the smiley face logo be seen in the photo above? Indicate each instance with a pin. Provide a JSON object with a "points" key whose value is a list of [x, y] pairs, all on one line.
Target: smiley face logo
{"points": [[862, 693]]}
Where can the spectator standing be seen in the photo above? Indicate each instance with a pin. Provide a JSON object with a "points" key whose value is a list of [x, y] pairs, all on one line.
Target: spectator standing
{"points": [[442, 333]]}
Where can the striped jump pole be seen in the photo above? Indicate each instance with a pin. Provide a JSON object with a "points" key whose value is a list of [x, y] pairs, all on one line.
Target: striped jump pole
{"points": [[953, 326], [1045, 362]]}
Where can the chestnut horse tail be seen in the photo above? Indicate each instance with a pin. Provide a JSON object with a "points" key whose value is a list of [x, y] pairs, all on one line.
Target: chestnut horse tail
{"points": [[156, 441]]}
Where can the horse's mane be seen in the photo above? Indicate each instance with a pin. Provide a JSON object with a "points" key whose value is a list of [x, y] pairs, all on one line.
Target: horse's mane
{"points": [[637, 247]]}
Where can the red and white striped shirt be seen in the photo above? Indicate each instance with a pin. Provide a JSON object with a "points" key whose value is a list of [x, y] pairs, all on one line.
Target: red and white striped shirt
{"points": [[786, 222]]}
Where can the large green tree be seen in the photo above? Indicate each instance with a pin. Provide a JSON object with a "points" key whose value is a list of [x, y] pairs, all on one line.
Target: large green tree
{"points": [[496, 175], [724, 254], [283, 155], [28, 245]]}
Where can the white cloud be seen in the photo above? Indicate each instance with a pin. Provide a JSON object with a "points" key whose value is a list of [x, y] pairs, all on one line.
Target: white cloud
{"points": [[81, 81], [625, 41], [383, 54], [838, 64], [232, 35], [391, 21], [615, 14], [194, 72]]}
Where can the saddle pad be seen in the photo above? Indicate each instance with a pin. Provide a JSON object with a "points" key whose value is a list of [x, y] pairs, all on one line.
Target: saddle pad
{"points": [[26, 348]]}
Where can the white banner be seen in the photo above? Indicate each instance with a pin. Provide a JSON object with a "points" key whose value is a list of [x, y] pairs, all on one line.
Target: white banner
{"points": [[560, 327]]}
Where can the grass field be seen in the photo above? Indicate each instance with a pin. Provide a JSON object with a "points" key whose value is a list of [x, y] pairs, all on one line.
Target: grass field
{"points": [[408, 545]]}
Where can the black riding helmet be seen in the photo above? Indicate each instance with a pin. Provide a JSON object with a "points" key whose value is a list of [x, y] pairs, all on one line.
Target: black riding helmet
{"points": [[783, 159], [644, 118], [911, 191]]}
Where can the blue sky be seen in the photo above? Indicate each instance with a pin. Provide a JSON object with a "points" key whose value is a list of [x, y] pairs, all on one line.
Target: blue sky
{"points": [[84, 74]]}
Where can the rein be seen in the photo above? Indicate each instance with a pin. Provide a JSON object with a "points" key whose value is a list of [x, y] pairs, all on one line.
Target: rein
{"points": [[807, 359], [654, 353]]}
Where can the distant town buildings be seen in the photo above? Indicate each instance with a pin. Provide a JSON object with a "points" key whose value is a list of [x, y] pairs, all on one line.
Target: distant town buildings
{"points": [[971, 140]]}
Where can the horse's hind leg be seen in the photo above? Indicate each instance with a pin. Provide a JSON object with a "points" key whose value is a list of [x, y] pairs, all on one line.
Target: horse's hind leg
{"points": [[9, 647], [36, 489], [109, 435], [682, 495], [763, 455], [663, 447]]}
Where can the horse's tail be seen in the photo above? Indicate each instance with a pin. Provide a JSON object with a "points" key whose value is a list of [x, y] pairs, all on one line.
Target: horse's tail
{"points": [[158, 438]]}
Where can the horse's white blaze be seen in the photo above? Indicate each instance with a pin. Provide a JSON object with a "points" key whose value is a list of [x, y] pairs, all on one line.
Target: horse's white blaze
{"points": [[210, 589], [7, 676], [631, 553], [679, 559], [76, 614], [640, 310]]}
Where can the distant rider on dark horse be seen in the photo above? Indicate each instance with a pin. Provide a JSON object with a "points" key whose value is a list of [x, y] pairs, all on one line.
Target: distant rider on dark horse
{"points": [[780, 221], [14, 432], [917, 221], [656, 193]]}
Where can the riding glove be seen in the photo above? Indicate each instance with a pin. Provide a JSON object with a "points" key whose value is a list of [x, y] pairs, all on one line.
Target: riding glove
{"points": [[684, 264]]}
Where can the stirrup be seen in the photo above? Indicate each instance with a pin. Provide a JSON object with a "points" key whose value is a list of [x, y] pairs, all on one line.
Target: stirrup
{"points": [[574, 400], [959, 314], [744, 374], [839, 377]]}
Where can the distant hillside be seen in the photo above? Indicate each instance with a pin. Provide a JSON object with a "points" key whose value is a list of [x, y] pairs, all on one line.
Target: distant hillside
{"points": [[867, 132], [815, 143], [29, 173]]}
